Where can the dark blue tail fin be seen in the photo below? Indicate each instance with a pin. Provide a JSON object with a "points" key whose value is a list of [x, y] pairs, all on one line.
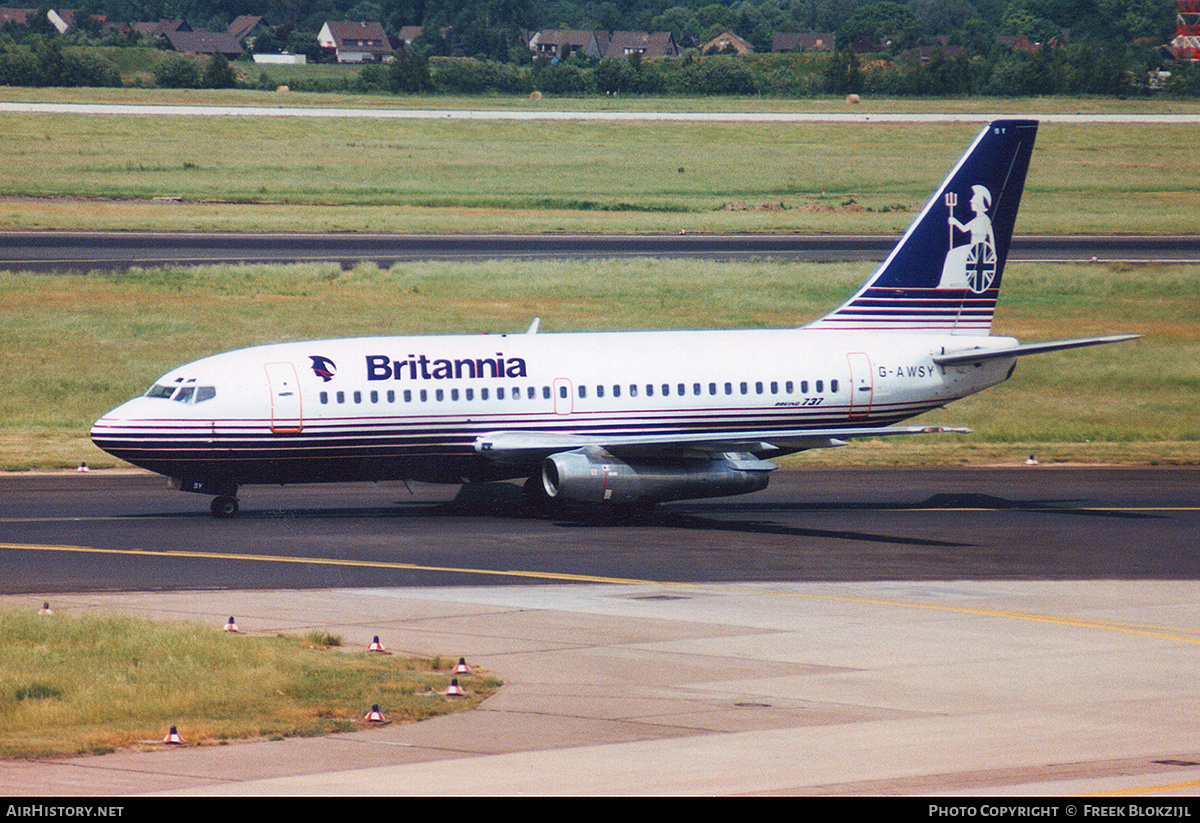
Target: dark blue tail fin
{"points": [[944, 274]]}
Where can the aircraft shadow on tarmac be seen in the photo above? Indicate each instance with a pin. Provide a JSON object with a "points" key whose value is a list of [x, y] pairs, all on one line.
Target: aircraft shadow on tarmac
{"points": [[506, 500]]}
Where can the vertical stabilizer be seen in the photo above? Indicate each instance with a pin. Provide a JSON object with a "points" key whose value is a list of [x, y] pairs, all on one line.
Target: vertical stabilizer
{"points": [[944, 274]]}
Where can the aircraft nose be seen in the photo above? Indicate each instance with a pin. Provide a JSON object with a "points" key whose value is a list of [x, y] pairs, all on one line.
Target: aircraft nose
{"points": [[114, 425]]}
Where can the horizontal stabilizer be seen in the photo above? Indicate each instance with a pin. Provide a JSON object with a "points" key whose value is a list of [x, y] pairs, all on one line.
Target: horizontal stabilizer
{"points": [[957, 358], [517, 446]]}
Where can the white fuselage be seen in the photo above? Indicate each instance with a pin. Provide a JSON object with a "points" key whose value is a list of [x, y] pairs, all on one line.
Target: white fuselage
{"points": [[412, 407]]}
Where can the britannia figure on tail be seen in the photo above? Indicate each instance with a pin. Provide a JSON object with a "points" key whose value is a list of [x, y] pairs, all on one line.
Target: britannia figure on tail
{"points": [[971, 265]]}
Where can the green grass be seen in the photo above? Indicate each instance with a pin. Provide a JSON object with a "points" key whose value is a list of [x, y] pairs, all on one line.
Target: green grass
{"points": [[76, 345], [104, 172], [90, 684]]}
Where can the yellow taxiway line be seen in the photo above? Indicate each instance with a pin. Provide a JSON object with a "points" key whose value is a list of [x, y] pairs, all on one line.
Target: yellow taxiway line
{"points": [[1170, 633]]}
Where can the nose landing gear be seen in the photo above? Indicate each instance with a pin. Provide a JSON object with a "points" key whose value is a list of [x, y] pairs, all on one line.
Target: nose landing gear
{"points": [[224, 506]]}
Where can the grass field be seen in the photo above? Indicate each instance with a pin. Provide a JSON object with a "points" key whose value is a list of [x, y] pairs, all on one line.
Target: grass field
{"points": [[90, 684], [77, 345], [105, 172]]}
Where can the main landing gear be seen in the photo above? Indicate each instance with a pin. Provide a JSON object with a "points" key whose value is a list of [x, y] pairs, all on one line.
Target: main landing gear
{"points": [[224, 506]]}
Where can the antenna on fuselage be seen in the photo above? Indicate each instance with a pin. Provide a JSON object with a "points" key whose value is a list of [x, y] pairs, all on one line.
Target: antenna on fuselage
{"points": [[533, 327]]}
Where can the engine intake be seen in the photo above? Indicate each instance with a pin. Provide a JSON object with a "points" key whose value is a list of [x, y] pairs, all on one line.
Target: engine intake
{"points": [[592, 475]]}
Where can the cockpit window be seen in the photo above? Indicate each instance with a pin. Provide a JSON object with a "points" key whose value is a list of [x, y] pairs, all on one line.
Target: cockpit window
{"points": [[183, 394]]}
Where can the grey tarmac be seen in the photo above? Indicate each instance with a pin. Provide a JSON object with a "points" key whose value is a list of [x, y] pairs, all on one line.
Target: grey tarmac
{"points": [[854, 631]]}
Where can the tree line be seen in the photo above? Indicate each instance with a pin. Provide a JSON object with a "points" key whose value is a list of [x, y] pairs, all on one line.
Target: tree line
{"points": [[922, 47]]}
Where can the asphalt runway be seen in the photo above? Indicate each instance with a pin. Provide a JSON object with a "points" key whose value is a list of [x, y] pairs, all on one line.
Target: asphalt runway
{"points": [[86, 251], [1023, 631], [127, 531]]}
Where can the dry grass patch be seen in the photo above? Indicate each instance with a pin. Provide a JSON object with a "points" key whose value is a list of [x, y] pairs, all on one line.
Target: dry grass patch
{"points": [[94, 683], [102, 172]]}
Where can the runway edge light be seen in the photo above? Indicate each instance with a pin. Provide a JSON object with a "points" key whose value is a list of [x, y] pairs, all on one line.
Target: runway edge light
{"points": [[454, 690], [375, 716], [173, 738], [375, 646], [462, 667], [231, 626]]}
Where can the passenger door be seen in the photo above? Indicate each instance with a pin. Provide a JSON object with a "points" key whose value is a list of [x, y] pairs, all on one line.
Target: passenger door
{"points": [[862, 387], [286, 412]]}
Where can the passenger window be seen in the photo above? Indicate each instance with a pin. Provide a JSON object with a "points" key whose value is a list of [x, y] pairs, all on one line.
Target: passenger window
{"points": [[545, 392], [712, 388], [324, 398], [649, 389], [789, 386], [500, 393], [358, 397], [374, 396], [758, 387], [833, 386], [483, 394], [391, 395], [531, 392], [424, 395], [616, 391], [562, 392], [696, 389], [408, 395], [633, 390], [745, 389], [599, 391], [341, 397], [804, 387], [729, 388], [820, 386], [582, 392], [439, 395], [470, 394], [774, 387]]}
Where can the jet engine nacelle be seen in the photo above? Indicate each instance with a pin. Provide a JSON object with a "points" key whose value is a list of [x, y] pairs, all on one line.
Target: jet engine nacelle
{"points": [[592, 475]]}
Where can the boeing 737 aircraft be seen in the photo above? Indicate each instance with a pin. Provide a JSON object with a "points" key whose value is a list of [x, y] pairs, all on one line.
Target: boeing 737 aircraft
{"points": [[615, 419]]}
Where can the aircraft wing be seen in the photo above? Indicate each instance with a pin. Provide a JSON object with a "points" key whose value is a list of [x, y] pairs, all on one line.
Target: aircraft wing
{"points": [[522, 446], [958, 358]]}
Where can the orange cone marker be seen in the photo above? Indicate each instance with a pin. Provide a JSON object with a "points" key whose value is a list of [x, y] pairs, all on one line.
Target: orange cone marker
{"points": [[462, 667], [231, 626], [375, 646], [173, 737], [45, 609], [375, 716], [454, 690]]}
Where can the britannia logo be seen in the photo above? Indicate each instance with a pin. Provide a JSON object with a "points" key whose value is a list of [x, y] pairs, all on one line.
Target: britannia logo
{"points": [[972, 264], [323, 367]]}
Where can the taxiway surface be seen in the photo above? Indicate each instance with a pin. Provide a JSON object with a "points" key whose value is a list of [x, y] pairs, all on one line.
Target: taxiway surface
{"points": [[1025, 630], [66, 251]]}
